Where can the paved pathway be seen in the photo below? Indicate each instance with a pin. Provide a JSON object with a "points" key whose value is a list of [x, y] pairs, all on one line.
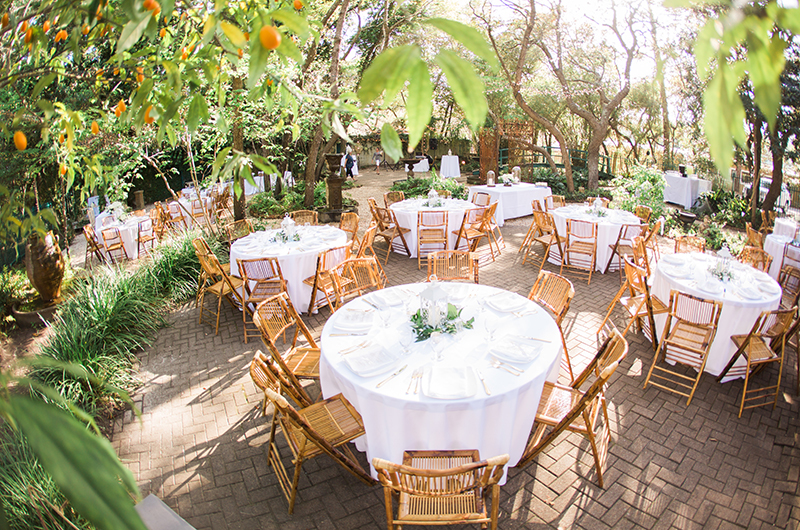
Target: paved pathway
{"points": [[201, 444]]}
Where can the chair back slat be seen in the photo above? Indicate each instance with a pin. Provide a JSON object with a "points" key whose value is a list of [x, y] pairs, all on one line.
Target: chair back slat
{"points": [[554, 292], [481, 198], [643, 212], [391, 197], [756, 258]]}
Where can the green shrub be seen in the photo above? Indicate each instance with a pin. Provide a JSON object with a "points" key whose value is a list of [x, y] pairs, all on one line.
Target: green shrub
{"points": [[726, 208], [27, 491], [14, 286], [419, 187], [266, 205], [643, 186]]}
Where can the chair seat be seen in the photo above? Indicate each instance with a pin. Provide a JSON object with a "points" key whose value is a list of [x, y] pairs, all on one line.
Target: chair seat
{"points": [[557, 401], [333, 420], [630, 303], [758, 351], [392, 231], [221, 288], [463, 507], [692, 339], [264, 290], [581, 247], [303, 362], [549, 239]]}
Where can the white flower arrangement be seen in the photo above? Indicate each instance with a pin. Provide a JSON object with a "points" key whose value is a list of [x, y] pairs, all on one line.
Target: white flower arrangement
{"points": [[509, 179]]}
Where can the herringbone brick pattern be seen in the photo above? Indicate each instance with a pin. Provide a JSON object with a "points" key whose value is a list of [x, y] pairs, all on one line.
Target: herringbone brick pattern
{"points": [[201, 443]]}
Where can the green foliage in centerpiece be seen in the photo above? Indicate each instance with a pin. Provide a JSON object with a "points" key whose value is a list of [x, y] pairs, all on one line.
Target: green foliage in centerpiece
{"points": [[283, 237], [597, 212], [424, 323]]}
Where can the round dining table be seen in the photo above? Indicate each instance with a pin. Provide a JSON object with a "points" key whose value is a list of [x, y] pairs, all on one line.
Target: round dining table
{"points": [[406, 213], [448, 391], [128, 231], [608, 229], [298, 259], [775, 246], [743, 297], [512, 201]]}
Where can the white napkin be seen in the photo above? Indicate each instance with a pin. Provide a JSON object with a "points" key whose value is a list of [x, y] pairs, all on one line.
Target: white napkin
{"points": [[769, 287], [387, 298], [371, 360], [353, 320], [516, 350], [749, 292], [449, 382], [506, 302], [710, 286]]}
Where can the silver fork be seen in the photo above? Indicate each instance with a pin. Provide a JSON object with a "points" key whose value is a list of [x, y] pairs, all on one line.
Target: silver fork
{"points": [[351, 349], [513, 370], [414, 377]]}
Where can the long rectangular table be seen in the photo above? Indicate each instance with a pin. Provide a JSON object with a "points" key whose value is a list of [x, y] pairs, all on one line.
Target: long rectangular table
{"points": [[513, 201], [684, 190]]}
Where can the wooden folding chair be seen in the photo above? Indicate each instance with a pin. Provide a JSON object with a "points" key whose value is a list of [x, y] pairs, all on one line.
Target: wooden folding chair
{"points": [[238, 229], [690, 329], [767, 221], [355, 277], [391, 197], [441, 488], [481, 198], [265, 373], [471, 229], [322, 282], [431, 231], [555, 293], [581, 241], [754, 237], [551, 202], [640, 256], [791, 256], [765, 344], [214, 280], [145, 237], [756, 258], [389, 229], [158, 216], [114, 244], [262, 278], [651, 242], [198, 210], [176, 220], [443, 193], [533, 230], [789, 280], [562, 407], [92, 247], [549, 237], [684, 244], [493, 229], [322, 428], [640, 306], [623, 247], [348, 223], [643, 213], [303, 217], [365, 249], [449, 265], [604, 200]]}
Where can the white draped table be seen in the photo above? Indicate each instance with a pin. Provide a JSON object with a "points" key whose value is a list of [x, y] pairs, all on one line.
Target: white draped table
{"points": [[451, 166], [128, 231], [684, 190], [608, 228], [451, 409], [513, 201], [743, 298], [298, 259], [785, 227], [421, 166], [774, 245], [406, 213]]}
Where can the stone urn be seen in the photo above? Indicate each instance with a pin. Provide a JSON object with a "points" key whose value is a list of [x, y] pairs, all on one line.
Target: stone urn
{"points": [[44, 264]]}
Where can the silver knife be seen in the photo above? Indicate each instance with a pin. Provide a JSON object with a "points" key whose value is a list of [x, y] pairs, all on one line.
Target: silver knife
{"points": [[391, 377], [485, 386], [348, 334], [370, 303]]}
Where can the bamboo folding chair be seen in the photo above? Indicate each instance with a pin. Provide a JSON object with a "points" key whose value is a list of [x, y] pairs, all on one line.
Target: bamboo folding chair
{"points": [[555, 293], [449, 265], [158, 216], [768, 221], [651, 242], [322, 428], [441, 488], [789, 279], [365, 249], [112, 239], [639, 304], [238, 229], [765, 344], [623, 247], [198, 210], [348, 223], [214, 280], [756, 258], [471, 229], [146, 236], [431, 231], [791, 256], [604, 200], [355, 277], [303, 217], [643, 213], [322, 282], [92, 247], [549, 237], [391, 197], [562, 407], [690, 329], [640, 256], [581, 241], [754, 237], [534, 230], [551, 202], [176, 220], [273, 317], [388, 228], [481, 198], [443, 193], [265, 373], [684, 244], [493, 229], [262, 278]]}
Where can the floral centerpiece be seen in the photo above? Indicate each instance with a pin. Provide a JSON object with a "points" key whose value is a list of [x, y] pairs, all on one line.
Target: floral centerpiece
{"points": [[288, 231], [427, 321], [721, 270], [434, 201], [508, 179], [118, 210]]}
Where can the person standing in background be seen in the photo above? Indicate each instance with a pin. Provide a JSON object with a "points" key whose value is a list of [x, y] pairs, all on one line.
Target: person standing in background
{"points": [[349, 162], [378, 158]]}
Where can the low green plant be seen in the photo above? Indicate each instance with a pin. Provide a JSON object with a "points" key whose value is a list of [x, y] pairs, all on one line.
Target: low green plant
{"points": [[266, 205], [419, 187], [726, 207], [14, 286], [643, 186]]}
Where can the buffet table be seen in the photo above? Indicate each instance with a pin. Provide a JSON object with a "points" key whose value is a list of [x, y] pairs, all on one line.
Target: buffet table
{"points": [[512, 201], [298, 259], [406, 213], [684, 190], [449, 406]]}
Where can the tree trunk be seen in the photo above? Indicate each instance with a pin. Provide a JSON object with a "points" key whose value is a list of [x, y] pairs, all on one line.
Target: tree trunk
{"points": [[239, 201], [756, 172], [593, 155], [662, 88], [311, 168]]}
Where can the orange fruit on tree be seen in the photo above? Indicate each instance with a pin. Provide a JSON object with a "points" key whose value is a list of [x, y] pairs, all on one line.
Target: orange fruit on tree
{"points": [[147, 118], [85, 30], [269, 82], [5, 19], [61, 138], [270, 37], [149, 4], [298, 4], [246, 35], [62, 170], [95, 128], [240, 52], [20, 142], [28, 35], [24, 27], [46, 26], [140, 77], [162, 33]]}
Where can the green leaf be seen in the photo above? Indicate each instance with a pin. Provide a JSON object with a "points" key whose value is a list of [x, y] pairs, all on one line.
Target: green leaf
{"points": [[208, 27], [469, 37], [289, 49], [234, 34], [42, 84], [765, 64], [387, 72], [83, 465], [390, 142], [705, 49], [132, 31], [294, 23], [419, 106], [467, 87], [198, 110], [258, 58]]}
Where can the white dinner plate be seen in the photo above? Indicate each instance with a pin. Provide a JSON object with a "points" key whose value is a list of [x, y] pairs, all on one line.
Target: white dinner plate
{"points": [[677, 272], [371, 360], [516, 350], [749, 292], [699, 256], [441, 381], [386, 298], [506, 302], [354, 321], [769, 287], [673, 259], [762, 276], [710, 287]]}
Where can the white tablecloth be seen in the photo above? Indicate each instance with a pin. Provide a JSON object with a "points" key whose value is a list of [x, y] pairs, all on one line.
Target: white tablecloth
{"points": [[774, 245], [684, 190], [128, 230], [187, 212], [451, 166], [738, 313], [298, 259], [421, 166], [406, 213], [608, 229], [785, 227], [513, 201], [396, 421], [249, 189]]}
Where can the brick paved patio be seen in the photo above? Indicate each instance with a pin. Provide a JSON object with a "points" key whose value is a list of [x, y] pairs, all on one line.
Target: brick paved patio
{"points": [[201, 443]]}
